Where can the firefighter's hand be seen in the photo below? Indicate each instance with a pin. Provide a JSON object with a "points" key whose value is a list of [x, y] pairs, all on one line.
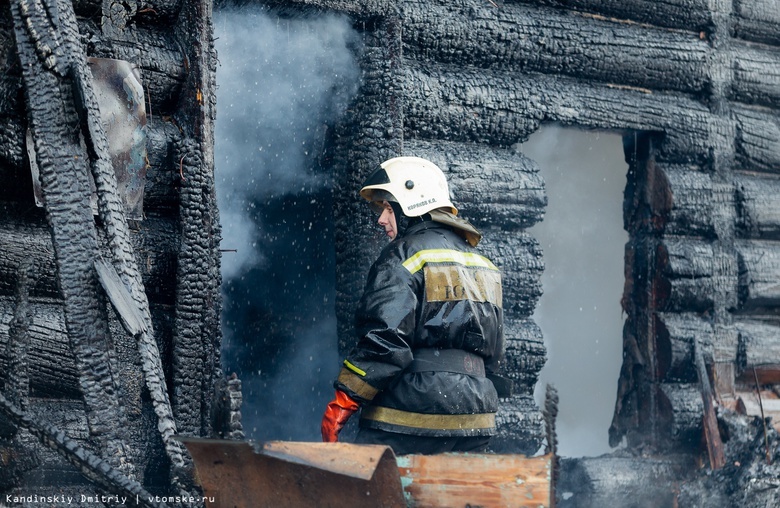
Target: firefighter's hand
{"points": [[336, 415]]}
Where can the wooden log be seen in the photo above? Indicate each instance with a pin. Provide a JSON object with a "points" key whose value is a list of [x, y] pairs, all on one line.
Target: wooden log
{"points": [[756, 76], [491, 481], [759, 273], [758, 210], [684, 276], [758, 140], [614, 480], [463, 104], [142, 12], [155, 250], [757, 20], [157, 54], [163, 179], [525, 354], [675, 335], [690, 15], [759, 348], [540, 39], [709, 421], [680, 414], [519, 426], [493, 187]]}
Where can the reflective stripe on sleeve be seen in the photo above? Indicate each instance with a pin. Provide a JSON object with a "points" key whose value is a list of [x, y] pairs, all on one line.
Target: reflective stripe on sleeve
{"points": [[416, 262], [429, 421], [357, 385], [357, 370]]}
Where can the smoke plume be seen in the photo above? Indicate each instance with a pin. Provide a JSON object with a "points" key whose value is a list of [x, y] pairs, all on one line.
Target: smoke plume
{"points": [[281, 84]]}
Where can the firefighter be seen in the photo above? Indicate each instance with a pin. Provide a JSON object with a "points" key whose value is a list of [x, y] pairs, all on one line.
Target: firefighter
{"points": [[429, 323]]}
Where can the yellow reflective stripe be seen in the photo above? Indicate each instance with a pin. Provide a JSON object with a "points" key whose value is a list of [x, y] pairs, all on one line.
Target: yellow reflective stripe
{"points": [[357, 385], [429, 421], [356, 370], [418, 260]]}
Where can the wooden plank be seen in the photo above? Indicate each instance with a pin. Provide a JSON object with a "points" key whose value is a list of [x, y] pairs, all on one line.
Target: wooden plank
{"points": [[455, 479], [710, 422], [120, 297]]}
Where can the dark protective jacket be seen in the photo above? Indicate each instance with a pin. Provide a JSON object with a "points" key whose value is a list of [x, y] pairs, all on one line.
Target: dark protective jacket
{"points": [[430, 325]]}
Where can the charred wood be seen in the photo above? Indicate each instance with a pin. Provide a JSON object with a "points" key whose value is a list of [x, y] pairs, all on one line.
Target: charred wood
{"points": [[757, 20], [675, 336], [757, 76], [758, 348], [142, 12], [758, 211], [520, 426], [525, 354], [638, 482], [684, 277], [155, 247], [759, 266], [680, 414], [758, 140], [495, 187], [533, 39]]}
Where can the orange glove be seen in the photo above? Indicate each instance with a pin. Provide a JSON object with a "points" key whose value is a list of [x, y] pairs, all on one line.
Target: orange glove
{"points": [[336, 415]]}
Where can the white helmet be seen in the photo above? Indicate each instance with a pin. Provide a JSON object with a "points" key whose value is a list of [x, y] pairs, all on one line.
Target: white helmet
{"points": [[416, 184]]}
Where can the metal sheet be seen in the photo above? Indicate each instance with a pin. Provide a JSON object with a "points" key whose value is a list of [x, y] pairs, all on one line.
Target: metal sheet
{"points": [[120, 96], [292, 474]]}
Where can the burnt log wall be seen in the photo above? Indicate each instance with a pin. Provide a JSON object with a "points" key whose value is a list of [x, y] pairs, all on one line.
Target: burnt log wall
{"points": [[693, 85], [167, 376]]}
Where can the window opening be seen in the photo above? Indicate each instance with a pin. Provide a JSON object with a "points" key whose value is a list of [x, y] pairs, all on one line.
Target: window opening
{"points": [[583, 242]]}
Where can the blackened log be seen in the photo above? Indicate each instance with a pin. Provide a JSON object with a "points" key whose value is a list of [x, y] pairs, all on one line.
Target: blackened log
{"points": [[692, 15], [53, 370], [198, 339], [155, 247], [163, 179], [758, 209], [757, 20], [525, 354], [492, 187], [757, 76], [141, 12], [51, 54], [463, 104], [759, 274], [712, 437], [684, 280], [533, 39], [520, 426], [758, 140], [519, 257], [675, 335], [158, 55], [365, 10], [759, 348], [639, 482], [679, 413]]}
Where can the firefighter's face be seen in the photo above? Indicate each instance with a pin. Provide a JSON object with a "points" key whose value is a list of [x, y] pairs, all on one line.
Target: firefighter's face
{"points": [[387, 220]]}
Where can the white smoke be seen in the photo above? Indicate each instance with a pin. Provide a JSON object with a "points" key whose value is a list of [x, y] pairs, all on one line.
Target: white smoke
{"points": [[583, 241], [280, 81]]}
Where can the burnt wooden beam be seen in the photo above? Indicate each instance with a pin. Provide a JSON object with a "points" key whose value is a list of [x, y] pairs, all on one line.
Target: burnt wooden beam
{"points": [[52, 59], [524, 38], [756, 78], [141, 12], [519, 426], [757, 20], [758, 140], [759, 348], [675, 336], [709, 421], [494, 187], [679, 415], [24, 241], [526, 354], [758, 209], [759, 274], [685, 273]]}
